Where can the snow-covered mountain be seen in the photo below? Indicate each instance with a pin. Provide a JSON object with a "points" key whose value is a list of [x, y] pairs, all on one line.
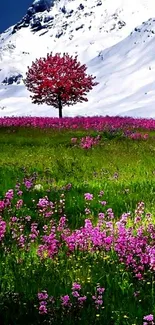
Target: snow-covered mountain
{"points": [[115, 38]]}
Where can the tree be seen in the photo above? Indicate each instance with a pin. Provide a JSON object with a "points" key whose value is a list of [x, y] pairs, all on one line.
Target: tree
{"points": [[58, 80]]}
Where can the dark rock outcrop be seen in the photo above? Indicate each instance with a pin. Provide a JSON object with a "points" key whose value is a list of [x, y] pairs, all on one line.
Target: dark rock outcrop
{"points": [[12, 79], [30, 20]]}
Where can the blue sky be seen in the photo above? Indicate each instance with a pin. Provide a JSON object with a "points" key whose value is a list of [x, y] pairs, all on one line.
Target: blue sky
{"points": [[11, 11]]}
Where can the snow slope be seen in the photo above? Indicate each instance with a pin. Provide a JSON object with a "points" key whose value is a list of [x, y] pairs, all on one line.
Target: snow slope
{"points": [[116, 39]]}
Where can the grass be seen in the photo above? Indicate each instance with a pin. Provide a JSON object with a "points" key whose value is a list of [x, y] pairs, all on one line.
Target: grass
{"points": [[125, 170]]}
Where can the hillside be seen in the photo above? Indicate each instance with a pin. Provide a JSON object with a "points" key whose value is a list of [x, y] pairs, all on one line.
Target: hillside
{"points": [[114, 38]]}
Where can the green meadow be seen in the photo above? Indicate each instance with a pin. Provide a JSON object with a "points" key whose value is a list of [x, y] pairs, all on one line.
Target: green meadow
{"points": [[124, 169]]}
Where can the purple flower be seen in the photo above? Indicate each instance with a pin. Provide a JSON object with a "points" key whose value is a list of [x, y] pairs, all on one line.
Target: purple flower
{"points": [[76, 286], [2, 205], [28, 183], [87, 211], [101, 215], [74, 140], [101, 193], [19, 204], [42, 295], [149, 318], [2, 229], [103, 202], [82, 298], [65, 301], [88, 196], [100, 290], [28, 218], [75, 294], [9, 195], [42, 307], [19, 193], [99, 302]]}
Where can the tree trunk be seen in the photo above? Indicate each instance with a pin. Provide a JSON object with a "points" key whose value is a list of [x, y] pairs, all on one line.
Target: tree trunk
{"points": [[60, 106]]}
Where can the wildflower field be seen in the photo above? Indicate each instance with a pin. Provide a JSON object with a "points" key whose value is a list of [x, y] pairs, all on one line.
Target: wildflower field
{"points": [[77, 221]]}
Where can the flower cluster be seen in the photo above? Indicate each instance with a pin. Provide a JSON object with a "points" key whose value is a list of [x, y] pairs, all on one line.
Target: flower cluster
{"points": [[107, 123], [50, 245], [138, 136], [75, 300], [88, 142], [9, 195], [148, 320], [65, 301], [88, 196], [43, 296], [76, 294], [29, 182], [131, 239], [2, 205], [45, 207], [90, 238], [2, 229], [73, 140], [135, 245], [98, 297]]}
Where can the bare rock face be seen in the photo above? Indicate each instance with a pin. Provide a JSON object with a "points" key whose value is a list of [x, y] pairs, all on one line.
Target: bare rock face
{"points": [[12, 79], [30, 18], [41, 5]]}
